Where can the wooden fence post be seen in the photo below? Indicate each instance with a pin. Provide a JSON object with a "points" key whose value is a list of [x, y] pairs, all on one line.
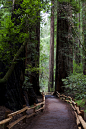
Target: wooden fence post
{"points": [[64, 98], [59, 95], [79, 107], [42, 106], [6, 116], [43, 98], [34, 110], [76, 104], [24, 113], [82, 113]]}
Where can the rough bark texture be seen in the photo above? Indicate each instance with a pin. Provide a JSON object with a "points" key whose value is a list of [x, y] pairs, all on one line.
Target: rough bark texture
{"points": [[33, 55], [51, 58], [11, 94], [13, 64], [77, 46], [84, 31], [64, 47]]}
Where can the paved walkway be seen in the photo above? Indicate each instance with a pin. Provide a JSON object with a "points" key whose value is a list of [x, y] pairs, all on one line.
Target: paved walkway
{"points": [[57, 115]]}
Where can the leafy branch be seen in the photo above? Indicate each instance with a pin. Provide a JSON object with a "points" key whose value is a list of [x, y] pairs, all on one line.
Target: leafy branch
{"points": [[79, 38], [9, 72]]}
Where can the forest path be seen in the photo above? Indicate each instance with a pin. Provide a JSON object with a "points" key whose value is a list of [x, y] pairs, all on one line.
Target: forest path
{"points": [[57, 115]]}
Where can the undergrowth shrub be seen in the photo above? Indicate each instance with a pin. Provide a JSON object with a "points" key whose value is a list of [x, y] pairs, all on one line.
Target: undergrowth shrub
{"points": [[77, 68], [75, 84]]}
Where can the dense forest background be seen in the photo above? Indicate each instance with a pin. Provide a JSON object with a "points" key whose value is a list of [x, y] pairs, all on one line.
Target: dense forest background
{"points": [[42, 48]]}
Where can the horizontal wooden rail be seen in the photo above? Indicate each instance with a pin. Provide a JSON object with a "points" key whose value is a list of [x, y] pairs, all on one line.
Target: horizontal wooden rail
{"points": [[78, 113], [48, 93], [39, 103], [18, 112], [39, 109], [28, 116], [15, 122], [5, 121], [9, 117]]}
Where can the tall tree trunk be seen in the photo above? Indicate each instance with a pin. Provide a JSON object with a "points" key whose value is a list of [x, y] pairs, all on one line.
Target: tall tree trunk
{"points": [[84, 32], [77, 46], [64, 51], [11, 91], [51, 58], [33, 54]]}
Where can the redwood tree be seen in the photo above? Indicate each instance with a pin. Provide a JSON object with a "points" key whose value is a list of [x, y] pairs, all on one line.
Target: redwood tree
{"points": [[51, 58], [84, 33], [64, 53], [17, 38], [33, 54]]}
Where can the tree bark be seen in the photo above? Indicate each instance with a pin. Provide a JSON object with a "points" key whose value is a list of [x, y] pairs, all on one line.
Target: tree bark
{"points": [[33, 54], [64, 53], [84, 32], [77, 45], [11, 83], [51, 58], [9, 72]]}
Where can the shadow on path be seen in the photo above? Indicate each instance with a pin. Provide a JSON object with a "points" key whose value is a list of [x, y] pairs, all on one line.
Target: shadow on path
{"points": [[57, 115]]}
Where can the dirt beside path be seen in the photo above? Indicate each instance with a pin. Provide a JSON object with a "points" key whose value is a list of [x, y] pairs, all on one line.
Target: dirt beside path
{"points": [[57, 115]]}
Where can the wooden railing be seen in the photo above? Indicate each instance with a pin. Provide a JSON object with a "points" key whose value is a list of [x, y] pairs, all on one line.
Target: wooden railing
{"points": [[78, 113], [48, 93], [9, 117]]}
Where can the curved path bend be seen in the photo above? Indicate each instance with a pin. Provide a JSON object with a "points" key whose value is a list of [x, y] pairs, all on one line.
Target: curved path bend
{"points": [[57, 115]]}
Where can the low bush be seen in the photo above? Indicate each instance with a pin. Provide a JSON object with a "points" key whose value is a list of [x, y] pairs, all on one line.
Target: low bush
{"points": [[75, 85]]}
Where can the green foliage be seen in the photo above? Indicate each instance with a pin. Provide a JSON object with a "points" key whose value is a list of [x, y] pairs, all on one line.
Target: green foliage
{"points": [[77, 68], [26, 83], [8, 46], [52, 89], [76, 85], [31, 69], [81, 102], [44, 53], [73, 3], [14, 31], [44, 65]]}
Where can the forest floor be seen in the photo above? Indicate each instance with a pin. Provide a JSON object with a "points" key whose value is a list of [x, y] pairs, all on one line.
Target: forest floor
{"points": [[57, 114]]}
